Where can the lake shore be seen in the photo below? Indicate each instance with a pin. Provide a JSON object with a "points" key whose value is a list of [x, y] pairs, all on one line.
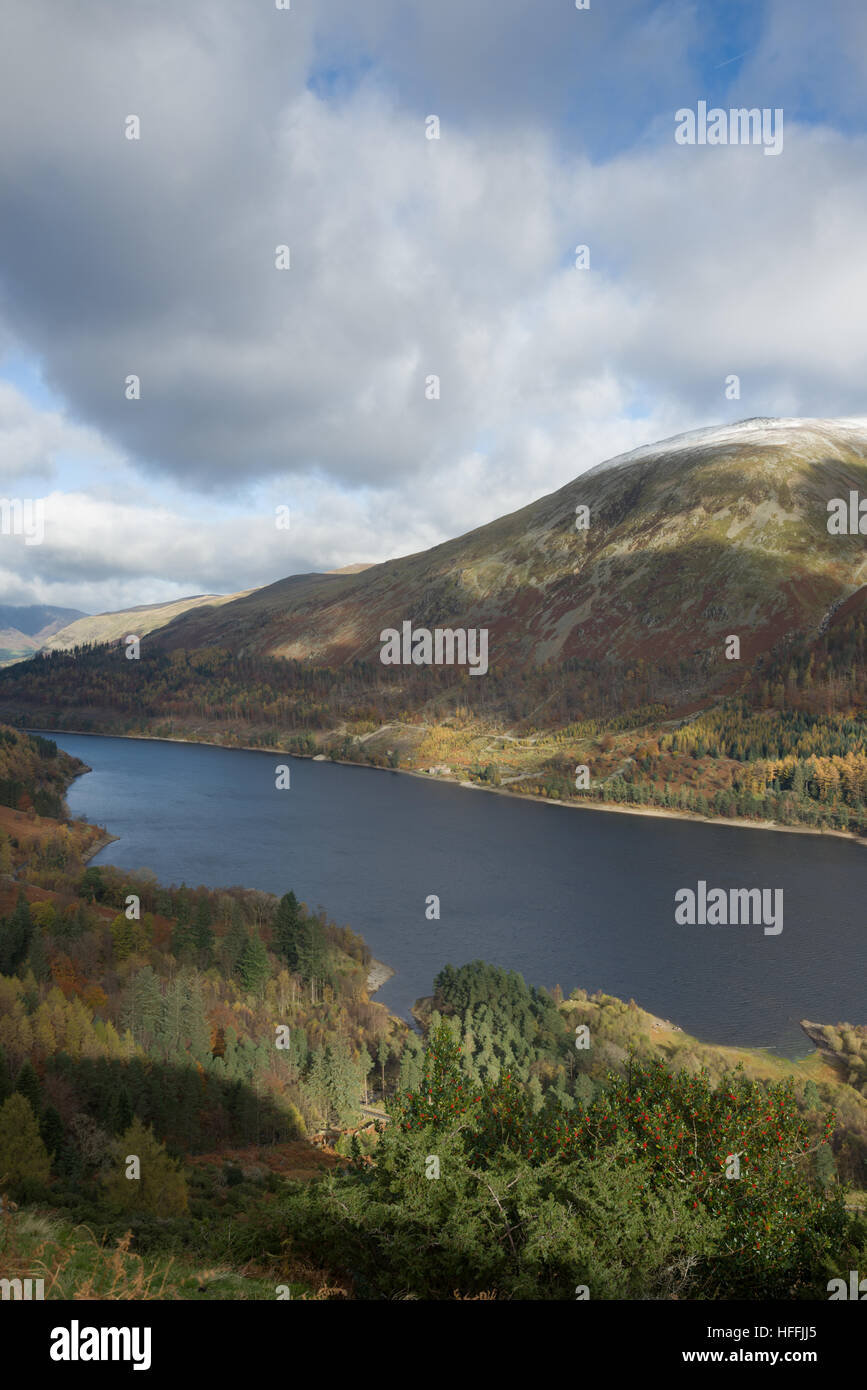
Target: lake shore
{"points": [[661, 812], [101, 843], [377, 975]]}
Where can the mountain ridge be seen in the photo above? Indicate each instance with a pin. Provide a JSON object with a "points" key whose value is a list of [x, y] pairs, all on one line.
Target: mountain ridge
{"points": [[685, 544]]}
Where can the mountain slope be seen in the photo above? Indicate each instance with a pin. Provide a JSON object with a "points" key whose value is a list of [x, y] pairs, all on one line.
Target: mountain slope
{"points": [[719, 532], [607, 647], [113, 627]]}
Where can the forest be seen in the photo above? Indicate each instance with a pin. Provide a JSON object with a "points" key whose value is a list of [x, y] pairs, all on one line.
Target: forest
{"points": [[291, 1134], [787, 746]]}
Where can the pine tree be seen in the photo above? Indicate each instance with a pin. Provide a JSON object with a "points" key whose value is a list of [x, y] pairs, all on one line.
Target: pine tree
{"points": [[15, 933], [826, 1170], [235, 941], [143, 1007], [311, 951], [365, 1066], [316, 1085], [27, 1084], [122, 1116], [196, 1030], [344, 1082], [254, 967], [91, 886], [534, 1090], [382, 1053], [182, 937], [203, 936], [52, 1131], [287, 925], [37, 960]]}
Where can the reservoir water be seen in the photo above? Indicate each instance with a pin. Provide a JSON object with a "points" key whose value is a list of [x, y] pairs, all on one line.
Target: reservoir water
{"points": [[570, 897]]}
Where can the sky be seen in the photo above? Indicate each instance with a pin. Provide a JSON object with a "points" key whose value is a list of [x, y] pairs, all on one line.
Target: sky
{"points": [[410, 258]]}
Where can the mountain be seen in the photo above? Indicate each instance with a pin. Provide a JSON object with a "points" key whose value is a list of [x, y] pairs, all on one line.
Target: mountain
{"points": [[23, 630], [717, 532], [113, 627], [613, 671]]}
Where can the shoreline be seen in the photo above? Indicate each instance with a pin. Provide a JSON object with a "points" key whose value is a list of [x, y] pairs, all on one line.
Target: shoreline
{"points": [[377, 975], [660, 812], [102, 843]]}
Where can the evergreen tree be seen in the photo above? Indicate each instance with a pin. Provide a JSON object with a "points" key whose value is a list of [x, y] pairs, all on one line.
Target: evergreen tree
{"points": [[52, 1131], [343, 1082], [287, 924], [365, 1067], [411, 1062], [311, 954], [826, 1170], [382, 1055], [28, 1085], [6, 1087], [254, 967], [122, 1116], [316, 1085], [37, 960], [182, 937], [235, 941], [203, 936], [143, 1007], [534, 1091], [91, 886], [196, 1030], [15, 933]]}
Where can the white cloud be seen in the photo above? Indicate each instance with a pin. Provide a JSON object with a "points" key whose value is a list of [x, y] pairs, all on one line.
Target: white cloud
{"points": [[409, 257]]}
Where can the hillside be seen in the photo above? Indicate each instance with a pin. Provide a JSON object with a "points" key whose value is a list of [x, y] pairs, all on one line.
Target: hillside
{"points": [[114, 626], [229, 1040], [722, 531], [608, 647]]}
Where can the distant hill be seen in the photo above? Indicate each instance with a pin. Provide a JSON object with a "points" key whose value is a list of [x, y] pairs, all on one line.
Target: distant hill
{"points": [[111, 627], [24, 630]]}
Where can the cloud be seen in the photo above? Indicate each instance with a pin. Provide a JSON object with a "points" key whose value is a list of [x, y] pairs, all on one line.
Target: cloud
{"points": [[409, 257], [31, 439]]}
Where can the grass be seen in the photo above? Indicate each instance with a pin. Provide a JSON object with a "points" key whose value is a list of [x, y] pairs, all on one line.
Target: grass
{"points": [[78, 1266]]}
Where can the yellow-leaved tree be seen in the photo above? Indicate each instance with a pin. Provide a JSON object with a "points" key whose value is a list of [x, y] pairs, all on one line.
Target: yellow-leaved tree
{"points": [[154, 1184], [24, 1161]]}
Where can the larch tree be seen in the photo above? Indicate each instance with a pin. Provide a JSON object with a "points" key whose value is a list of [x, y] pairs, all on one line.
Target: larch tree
{"points": [[24, 1161], [159, 1188]]}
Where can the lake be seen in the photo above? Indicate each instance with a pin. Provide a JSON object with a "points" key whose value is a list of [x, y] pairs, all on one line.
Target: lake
{"points": [[571, 897]]}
